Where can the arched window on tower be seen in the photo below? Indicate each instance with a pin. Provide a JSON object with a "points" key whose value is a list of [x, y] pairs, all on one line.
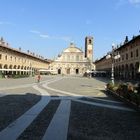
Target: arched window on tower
{"points": [[89, 41]]}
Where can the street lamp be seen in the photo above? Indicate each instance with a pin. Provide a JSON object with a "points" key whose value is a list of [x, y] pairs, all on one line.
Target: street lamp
{"points": [[114, 54]]}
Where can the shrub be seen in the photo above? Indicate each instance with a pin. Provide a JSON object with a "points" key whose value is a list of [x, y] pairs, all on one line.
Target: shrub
{"points": [[109, 86], [127, 90]]}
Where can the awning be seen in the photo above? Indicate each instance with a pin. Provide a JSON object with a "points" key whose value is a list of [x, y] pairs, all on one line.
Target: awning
{"points": [[14, 70]]}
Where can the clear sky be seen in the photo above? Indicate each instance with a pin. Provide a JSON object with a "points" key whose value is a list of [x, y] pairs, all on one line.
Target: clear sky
{"points": [[46, 27]]}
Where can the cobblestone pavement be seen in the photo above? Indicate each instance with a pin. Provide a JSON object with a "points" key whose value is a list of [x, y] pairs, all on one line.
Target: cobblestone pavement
{"points": [[84, 111]]}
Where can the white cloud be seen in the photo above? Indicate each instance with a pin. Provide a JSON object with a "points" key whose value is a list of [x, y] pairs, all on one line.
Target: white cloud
{"points": [[121, 3], [64, 38], [6, 23], [44, 36], [34, 31], [134, 1]]}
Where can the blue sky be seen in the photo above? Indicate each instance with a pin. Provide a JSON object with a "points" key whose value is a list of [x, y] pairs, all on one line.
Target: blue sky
{"points": [[46, 27]]}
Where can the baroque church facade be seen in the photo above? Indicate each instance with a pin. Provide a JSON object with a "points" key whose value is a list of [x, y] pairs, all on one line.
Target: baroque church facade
{"points": [[73, 60]]}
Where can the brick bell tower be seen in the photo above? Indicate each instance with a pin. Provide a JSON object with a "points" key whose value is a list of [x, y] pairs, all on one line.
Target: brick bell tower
{"points": [[89, 48]]}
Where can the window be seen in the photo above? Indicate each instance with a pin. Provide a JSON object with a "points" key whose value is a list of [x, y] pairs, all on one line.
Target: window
{"points": [[5, 57], [0, 56], [126, 56], [11, 58], [137, 53], [122, 57], [131, 54]]}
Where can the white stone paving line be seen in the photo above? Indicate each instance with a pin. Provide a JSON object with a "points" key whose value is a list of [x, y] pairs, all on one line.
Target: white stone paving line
{"points": [[61, 91], [105, 105], [91, 103], [58, 127], [13, 131], [78, 95]]}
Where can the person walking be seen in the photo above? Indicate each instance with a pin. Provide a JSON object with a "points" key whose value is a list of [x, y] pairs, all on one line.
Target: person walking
{"points": [[38, 78]]}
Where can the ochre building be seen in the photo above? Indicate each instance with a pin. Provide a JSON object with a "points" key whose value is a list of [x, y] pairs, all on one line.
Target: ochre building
{"points": [[15, 62], [73, 60], [128, 65]]}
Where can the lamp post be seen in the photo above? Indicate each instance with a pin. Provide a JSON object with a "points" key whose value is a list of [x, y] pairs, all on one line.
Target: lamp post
{"points": [[114, 54]]}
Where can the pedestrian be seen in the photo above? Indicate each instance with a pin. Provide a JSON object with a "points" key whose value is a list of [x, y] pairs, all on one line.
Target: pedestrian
{"points": [[38, 78]]}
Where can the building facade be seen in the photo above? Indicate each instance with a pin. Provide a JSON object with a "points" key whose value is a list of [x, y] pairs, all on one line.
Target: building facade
{"points": [[73, 60], [15, 62], [128, 65]]}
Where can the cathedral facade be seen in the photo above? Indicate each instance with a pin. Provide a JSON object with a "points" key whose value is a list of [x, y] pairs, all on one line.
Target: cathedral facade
{"points": [[73, 60]]}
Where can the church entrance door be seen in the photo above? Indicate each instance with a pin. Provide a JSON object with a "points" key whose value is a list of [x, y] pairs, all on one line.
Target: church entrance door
{"points": [[77, 71], [59, 71], [68, 71]]}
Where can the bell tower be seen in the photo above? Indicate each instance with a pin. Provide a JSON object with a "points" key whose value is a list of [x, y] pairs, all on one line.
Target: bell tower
{"points": [[89, 48]]}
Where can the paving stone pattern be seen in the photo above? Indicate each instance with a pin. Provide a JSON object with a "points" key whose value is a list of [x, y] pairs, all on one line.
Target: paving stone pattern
{"points": [[66, 112]]}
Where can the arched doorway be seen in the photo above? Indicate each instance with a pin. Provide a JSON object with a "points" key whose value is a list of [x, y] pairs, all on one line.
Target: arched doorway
{"points": [[59, 71], [77, 71]]}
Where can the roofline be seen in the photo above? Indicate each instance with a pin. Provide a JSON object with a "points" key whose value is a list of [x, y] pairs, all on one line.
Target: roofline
{"points": [[132, 40], [122, 46], [16, 50], [74, 47]]}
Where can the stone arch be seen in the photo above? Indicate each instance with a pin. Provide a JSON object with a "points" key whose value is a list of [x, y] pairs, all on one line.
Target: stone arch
{"points": [[18, 67], [137, 70], [0, 70], [59, 71], [119, 73], [15, 67], [10, 66], [137, 67], [122, 72], [10, 72], [22, 67], [126, 71], [131, 71], [0, 66], [5, 66]]}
